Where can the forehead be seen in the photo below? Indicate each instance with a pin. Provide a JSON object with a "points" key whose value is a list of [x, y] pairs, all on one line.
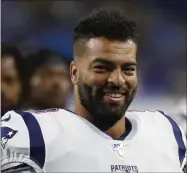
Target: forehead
{"points": [[8, 62], [55, 68], [112, 50], [8, 67]]}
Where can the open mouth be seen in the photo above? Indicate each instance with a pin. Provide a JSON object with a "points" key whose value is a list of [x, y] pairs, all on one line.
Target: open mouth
{"points": [[114, 97]]}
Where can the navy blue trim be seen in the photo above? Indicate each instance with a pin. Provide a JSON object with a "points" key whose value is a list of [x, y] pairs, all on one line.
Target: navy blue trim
{"points": [[178, 137], [37, 144], [128, 126]]}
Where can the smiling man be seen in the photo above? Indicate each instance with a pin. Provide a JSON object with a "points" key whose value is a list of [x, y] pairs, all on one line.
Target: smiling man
{"points": [[100, 135], [107, 84]]}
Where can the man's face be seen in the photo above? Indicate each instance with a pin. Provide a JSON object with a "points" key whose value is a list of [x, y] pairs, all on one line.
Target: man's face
{"points": [[11, 84], [50, 86], [106, 79]]}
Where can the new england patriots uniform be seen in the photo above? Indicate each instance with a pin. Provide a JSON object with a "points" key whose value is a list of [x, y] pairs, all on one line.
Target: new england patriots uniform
{"points": [[60, 141]]}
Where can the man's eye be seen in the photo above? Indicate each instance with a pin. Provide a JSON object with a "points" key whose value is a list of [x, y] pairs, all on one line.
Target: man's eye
{"points": [[129, 69], [101, 67]]}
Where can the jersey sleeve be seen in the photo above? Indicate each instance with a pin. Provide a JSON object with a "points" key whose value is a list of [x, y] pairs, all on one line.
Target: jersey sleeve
{"points": [[180, 138], [183, 163], [21, 139], [14, 133]]}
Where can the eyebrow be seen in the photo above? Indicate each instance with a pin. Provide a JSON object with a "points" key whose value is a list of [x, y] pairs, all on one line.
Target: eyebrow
{"points": [[101, 60], [107, 62], [131, 63]]}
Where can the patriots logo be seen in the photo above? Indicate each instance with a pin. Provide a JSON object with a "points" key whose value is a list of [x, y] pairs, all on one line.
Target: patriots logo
{"points": [[119, 148], [6, 132]]}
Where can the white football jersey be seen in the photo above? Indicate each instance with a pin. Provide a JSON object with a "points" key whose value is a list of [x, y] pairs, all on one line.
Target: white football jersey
{"points": [[60, 141]]}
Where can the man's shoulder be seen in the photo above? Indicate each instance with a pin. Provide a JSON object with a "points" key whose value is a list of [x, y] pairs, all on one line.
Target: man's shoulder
{"points": [[23, 128], [156, 120], [149, 114], [30, 116], [162, 126], [146, 114]]}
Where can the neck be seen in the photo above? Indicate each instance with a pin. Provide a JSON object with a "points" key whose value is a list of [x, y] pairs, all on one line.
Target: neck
{"points": [[115, 131], [81, 111]]}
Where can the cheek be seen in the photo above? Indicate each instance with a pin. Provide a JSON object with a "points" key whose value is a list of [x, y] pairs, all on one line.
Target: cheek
{"points": [[16, 91], [96, 79], [65, 85], [132, 82]]}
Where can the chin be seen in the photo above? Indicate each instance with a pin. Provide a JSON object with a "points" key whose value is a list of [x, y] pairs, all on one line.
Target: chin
{"points": [[105, 118]]}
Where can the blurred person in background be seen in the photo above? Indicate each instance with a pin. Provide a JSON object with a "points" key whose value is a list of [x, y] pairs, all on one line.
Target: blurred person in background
{"points": [[13, 82], [49, 80]]}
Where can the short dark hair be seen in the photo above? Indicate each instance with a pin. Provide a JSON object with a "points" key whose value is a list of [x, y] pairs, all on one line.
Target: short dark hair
{"points": [[37, 60], [108, 23]]}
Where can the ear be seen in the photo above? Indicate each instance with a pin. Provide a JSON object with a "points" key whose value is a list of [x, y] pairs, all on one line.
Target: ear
{"points": [[73, 72]]}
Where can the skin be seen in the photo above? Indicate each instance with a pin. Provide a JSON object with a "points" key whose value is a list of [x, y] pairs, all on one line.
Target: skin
{"points": [[10, 83], [51, 82], [109, 66]]}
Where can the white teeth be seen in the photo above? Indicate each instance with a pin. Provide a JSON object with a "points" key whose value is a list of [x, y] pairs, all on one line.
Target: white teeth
{"points": [[114, 95]]}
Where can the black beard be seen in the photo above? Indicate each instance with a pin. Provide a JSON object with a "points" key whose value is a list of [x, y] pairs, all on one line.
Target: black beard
{"points": [[103, 115]]}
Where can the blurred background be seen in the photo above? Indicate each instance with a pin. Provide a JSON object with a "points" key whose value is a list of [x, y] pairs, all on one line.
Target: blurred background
{"points": [[42, 33]]}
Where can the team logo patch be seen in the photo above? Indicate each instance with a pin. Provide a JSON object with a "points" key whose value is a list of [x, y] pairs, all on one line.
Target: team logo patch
{"points": [[119, 148], [6, 134]]}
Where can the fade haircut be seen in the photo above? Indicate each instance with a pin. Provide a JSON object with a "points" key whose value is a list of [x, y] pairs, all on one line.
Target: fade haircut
{"points": [[111, 24]]}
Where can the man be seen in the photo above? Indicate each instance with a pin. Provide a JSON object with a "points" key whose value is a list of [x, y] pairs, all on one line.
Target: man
{"points": [[100, 136], [12, 78], [49, 80]]}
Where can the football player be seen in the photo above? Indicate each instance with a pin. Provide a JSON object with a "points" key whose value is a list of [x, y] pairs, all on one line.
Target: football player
{"points": [[100, 135]]}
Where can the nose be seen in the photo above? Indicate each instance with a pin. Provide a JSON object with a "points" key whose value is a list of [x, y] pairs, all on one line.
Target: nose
{"points": [[116, 77], [56, 82]]}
